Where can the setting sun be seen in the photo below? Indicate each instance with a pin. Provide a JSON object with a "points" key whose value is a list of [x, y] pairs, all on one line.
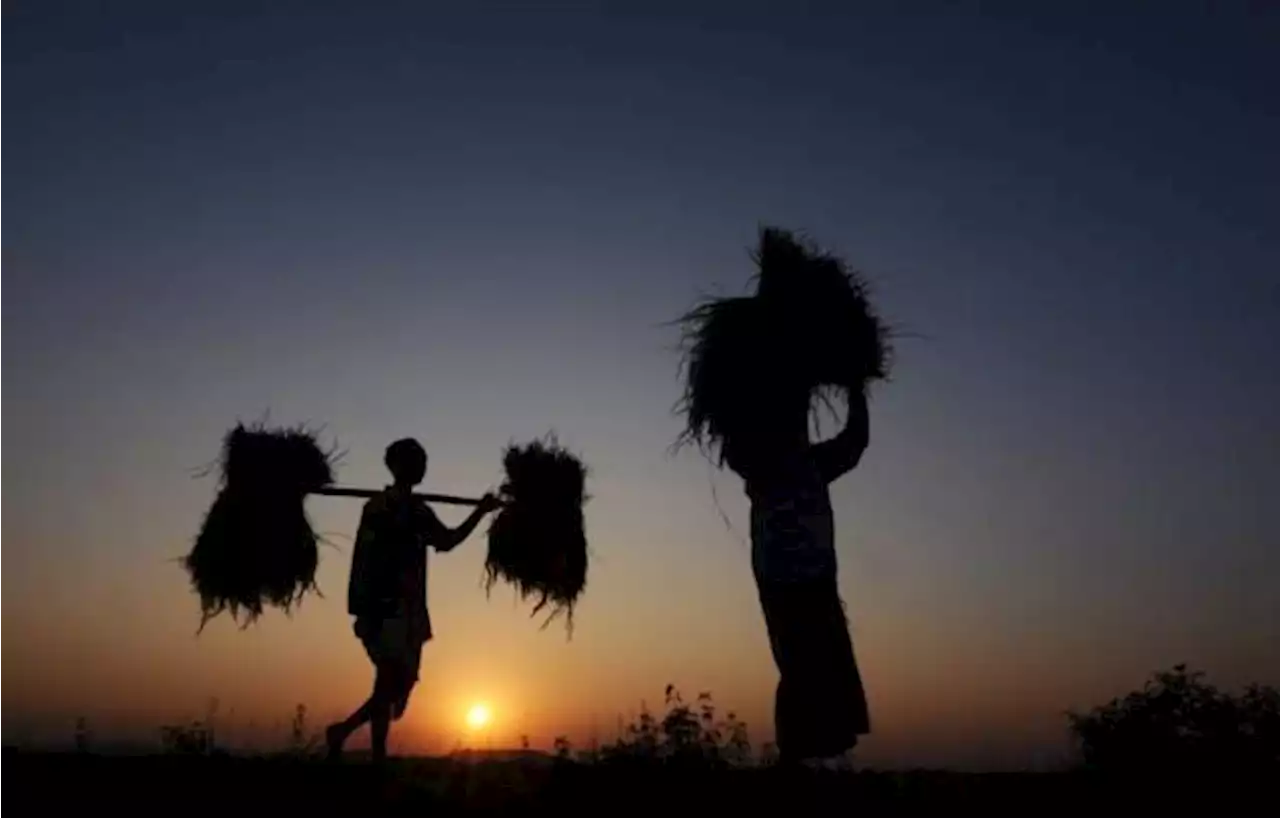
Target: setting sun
{"points": [[478, 716]]}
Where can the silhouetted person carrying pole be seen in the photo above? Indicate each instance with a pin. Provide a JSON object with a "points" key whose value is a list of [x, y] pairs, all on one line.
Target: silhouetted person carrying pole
{"points": [[387, 591], [820, 705]]}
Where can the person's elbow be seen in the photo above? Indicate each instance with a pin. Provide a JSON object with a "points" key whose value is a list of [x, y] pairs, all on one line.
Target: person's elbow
{"points": [[858, 449], [860, 445], [844, 459], [856, 456]]}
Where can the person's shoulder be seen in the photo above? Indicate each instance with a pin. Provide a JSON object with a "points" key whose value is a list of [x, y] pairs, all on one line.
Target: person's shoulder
{"points": [[376, 504], [426, 513]]}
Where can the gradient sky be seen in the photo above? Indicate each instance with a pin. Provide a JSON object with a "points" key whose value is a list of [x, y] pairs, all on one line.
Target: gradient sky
{"points": [[469, 223]]}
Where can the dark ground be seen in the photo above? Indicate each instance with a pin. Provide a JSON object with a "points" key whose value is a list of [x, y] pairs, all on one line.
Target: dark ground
{"points": [[52, 783]]}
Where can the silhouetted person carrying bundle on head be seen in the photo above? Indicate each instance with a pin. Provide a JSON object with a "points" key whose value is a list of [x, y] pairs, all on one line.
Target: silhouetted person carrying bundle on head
{"points": [[820, 706], [387, 590], [754, 367]]}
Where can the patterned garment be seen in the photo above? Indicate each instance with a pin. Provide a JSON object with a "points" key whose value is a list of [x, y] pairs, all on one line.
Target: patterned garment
{"points": [[792, 528], [820, 706]]}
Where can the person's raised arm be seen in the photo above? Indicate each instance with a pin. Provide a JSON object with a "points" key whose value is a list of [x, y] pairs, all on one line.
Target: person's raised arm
{"points": [[444, 538], [839, 455]]}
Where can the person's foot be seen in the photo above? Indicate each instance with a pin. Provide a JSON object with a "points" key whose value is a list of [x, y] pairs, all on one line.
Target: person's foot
{"points": [[334, 737]]}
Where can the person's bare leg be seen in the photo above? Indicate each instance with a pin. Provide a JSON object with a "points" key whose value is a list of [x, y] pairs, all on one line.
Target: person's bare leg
{"points": [[336, 734], [376, 711], [386, 689], [379, 726]]}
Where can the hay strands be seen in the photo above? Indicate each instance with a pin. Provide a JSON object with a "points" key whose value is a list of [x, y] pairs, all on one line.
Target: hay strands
{"points": [[256, 547], [537, 540], [809, 333]]}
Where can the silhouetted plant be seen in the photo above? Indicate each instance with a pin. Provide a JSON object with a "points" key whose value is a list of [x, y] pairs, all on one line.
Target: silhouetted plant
{"points": [[83, 736], [687, 734], [211, 720], [187, 739], [737, 745], [1259, 719], [681, 726], [643, 736], [768, 754], [300, 741], [197, 737], [1177, 722], [563, 748]]}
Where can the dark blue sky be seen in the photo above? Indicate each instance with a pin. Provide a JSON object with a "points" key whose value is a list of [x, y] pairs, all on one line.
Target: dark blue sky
{"points": [[468, 222]]}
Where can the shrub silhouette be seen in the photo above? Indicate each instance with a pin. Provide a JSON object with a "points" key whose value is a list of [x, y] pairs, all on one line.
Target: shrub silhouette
{"points": [[302, 741], [196, 738], [187, 739], [1179, 723], [563, 748], [688, 734], [83, 735]]}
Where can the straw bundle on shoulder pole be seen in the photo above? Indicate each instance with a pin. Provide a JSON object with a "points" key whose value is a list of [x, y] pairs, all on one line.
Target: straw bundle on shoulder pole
{"points": [[256, 546], [537, 541]]}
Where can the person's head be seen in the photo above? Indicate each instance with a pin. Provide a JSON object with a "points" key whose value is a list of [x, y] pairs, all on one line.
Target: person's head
{"points": [[407, 461]]}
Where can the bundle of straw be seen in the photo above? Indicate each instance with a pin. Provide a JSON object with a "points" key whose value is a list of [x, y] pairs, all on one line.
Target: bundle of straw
{"points": [[537, 540], [256, 546], [808, 330], [819, 313]]}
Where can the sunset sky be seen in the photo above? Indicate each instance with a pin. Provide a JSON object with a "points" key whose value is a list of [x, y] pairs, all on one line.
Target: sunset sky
{"points": [[470, 224]]}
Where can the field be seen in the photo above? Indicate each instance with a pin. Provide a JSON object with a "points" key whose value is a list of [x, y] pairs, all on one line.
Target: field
{"points": [[228, 786]]}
